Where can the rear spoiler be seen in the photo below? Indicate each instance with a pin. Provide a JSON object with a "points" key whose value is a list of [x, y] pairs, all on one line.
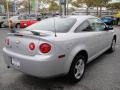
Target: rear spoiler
{"points": [[21, 34], [35, 33], [27, 35]]}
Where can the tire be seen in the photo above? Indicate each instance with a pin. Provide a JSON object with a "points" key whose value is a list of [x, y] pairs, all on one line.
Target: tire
{"points": [[1, 25], [113, 44], [17, 25], [76, 71]]}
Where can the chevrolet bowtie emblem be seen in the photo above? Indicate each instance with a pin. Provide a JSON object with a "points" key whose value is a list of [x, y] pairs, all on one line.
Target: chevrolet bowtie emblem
{"points": [[17, 42]]}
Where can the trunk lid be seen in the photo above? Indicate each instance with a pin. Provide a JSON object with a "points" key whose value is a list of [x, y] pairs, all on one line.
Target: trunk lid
{"points": [[19, 42]]}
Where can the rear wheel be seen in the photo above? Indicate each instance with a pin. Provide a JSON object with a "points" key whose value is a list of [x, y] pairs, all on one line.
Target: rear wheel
{"points": [[17, 25], [77, 69], [1, 24]]}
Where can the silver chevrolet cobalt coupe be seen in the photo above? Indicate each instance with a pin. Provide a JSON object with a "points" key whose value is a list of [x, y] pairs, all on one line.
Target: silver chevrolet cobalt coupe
{"points": [[58, 46]]}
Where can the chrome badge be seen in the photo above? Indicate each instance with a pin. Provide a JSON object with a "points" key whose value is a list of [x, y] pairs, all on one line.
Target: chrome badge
{"points": [[18, 42]]}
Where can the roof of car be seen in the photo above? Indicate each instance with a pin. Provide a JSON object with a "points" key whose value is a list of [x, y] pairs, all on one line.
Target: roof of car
{"points": [[78, 17], [82, 17]]}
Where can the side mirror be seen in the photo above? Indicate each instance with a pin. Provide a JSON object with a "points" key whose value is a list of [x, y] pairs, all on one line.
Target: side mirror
{"points": [[108, 28]]}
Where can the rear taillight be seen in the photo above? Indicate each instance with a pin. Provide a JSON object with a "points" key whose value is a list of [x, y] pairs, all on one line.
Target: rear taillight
{"points": [[7, 41], [45, 48], [32, 46]]}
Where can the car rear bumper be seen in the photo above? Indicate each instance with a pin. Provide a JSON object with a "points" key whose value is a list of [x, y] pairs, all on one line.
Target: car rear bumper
{"points": [[40, 65]]}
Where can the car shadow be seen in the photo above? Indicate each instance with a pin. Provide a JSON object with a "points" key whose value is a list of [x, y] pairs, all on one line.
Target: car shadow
{"points": [[98, 59], [47, 84]]}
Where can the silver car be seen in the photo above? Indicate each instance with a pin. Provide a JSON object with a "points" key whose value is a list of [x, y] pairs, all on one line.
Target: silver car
{"points": [[58, 46]]}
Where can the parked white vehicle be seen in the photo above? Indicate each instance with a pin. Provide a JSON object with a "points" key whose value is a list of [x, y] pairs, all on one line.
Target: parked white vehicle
{"points": [[2, 20], [14, 21], [60, 45]]}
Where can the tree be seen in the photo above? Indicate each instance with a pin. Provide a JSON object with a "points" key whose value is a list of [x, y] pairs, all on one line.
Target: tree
{"points": [[96, 3], [103, 3], [91, 3], [77, 3], [53, 6], [3, 2], [114, 6]]}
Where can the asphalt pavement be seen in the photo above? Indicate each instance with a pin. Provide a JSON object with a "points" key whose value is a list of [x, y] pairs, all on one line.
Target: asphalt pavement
{"points": [[101, 74]]}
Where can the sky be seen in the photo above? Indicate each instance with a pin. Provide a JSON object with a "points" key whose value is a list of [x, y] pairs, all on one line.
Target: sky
{"points": [[115, 0]]}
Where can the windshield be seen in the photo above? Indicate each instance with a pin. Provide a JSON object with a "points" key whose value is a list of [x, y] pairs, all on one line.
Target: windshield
{"points": [[107, 18], [52, 24]]}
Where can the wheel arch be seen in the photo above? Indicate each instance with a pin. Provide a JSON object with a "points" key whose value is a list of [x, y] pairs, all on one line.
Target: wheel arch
{"points": [[17, 24], [73, 55], [84, 53]]}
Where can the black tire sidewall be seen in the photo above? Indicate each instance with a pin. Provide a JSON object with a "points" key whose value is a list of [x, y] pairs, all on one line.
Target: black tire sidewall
{"points": [[110, 50], [1, 25], [112, 45], [71, 73], [17, 25]]}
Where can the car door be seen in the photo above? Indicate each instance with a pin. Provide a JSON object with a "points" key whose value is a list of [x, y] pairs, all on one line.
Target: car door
{"points": [[89, 38], [104, 36]]}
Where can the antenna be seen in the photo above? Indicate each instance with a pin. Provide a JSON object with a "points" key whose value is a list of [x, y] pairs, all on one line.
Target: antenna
{"points": [[55, 28]]}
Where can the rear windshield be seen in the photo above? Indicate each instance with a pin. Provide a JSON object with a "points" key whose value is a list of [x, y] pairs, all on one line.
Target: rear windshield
{"points": [[60, 24]]}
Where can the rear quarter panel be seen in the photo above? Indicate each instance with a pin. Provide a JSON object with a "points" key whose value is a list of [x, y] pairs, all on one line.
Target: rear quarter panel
{"points": [[68, 44]]}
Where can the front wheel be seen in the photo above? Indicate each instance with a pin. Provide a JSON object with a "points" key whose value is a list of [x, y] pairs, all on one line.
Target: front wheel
{"points": [[113, 45], [77, 69]]}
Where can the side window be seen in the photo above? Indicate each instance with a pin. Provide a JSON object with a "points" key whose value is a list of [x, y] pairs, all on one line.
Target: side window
{"points": [[85, 26], [25, 17], [96, 24], [19, 17], [4, 17]]}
